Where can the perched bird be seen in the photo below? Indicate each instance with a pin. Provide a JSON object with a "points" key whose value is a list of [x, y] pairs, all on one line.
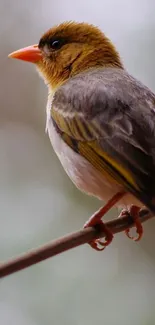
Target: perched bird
{"points": [[100, 120]]}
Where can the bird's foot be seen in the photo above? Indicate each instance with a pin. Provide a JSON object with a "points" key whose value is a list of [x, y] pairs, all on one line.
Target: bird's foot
{"points": [[98, 244], [133, 212], [95, 221]]}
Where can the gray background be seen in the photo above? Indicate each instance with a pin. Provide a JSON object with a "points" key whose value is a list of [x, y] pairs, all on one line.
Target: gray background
{"points": [[37, 200]]}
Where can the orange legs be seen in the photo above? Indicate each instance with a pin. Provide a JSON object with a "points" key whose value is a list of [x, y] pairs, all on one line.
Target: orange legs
{"points": [[95, 221]]}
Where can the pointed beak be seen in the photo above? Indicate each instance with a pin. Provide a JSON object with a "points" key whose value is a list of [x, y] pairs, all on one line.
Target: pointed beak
{"points": [[30, 54]]}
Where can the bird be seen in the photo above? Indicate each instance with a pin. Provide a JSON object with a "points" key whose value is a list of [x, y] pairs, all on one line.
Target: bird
{"points": [[100, 120]]}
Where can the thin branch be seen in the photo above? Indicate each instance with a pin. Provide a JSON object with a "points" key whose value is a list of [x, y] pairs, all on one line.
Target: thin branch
{"points": [[65, 243]]}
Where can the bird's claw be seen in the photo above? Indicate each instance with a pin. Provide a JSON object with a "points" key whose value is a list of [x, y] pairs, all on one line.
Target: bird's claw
{"points": [[98, 244], [133, 212], [96, 222]]}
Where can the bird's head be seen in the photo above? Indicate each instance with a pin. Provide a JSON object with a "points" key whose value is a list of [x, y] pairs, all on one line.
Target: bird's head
{"points": [[69, 49]]}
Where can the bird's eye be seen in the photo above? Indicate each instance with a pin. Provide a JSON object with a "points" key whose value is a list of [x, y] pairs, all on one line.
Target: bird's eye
{"points": [[56, 44]]}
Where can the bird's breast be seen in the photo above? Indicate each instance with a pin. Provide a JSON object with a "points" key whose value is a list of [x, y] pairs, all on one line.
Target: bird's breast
{"points": [[80, 171]]}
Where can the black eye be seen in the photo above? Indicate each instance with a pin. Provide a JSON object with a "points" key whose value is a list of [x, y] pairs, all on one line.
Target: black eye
{"points": [[56, 44], [52, 43]]}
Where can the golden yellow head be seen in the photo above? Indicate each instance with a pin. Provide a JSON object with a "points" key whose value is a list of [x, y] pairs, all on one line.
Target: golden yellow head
{"points": [[68, 49]]}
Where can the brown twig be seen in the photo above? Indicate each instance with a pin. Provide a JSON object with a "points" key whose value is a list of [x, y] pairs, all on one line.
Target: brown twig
{"points": [[65, 243]]}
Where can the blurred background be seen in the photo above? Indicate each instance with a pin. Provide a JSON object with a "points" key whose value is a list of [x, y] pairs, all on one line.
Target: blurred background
{"points": [[37, 200]]}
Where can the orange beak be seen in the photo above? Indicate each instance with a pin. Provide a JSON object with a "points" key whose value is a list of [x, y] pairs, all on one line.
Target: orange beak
{"points": [[30, 54]]}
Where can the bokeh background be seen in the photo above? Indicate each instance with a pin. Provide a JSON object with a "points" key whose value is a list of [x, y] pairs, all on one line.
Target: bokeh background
{"points": [[37, 200]]}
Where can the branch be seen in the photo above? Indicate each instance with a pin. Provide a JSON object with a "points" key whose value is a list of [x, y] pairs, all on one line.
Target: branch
{"points": [[67, 242]]}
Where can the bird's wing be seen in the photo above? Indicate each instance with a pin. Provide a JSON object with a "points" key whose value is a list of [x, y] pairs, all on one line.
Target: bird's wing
{"points": [[109, 118]]}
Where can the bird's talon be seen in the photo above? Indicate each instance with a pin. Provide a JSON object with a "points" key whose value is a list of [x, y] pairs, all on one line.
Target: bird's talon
{"points": [[127, 232], [134, 214], [96, 222], [97, 244]]}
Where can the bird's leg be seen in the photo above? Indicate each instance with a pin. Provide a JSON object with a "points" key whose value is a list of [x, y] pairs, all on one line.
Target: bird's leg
{"points": [[133, 212], [95, 221]]}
